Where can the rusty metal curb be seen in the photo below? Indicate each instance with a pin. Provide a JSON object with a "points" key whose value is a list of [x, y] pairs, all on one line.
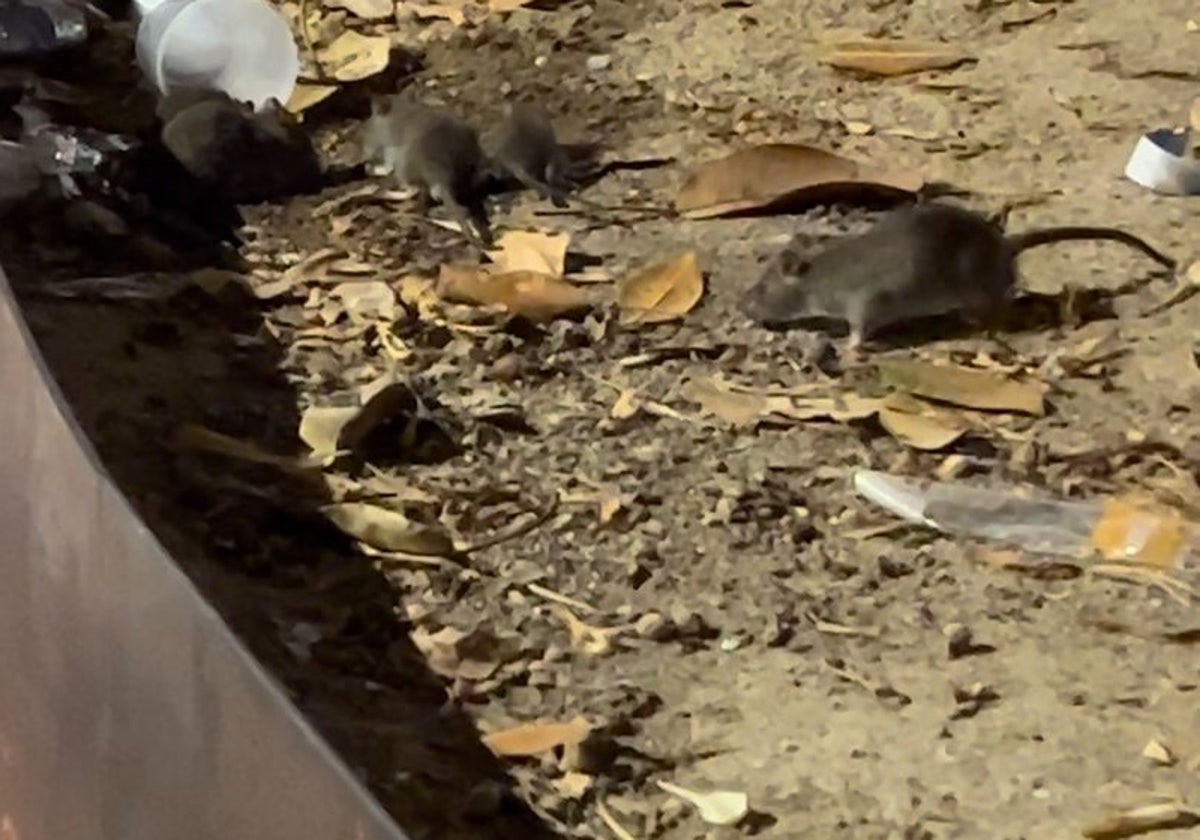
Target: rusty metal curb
{"points": [[128, 710]]}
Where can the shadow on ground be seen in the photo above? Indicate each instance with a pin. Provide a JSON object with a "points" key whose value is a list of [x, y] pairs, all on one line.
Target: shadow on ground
{"points": [[314, 611]]}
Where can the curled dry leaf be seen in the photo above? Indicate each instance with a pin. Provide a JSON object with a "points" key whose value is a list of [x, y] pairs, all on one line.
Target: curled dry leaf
{"points": [[780, 176], [663, 292], [389, 530], [718, 807], [736, 408], [538, 297], [536, 738], [353, 56], [893, 57], [531, 250], [968, 387]]}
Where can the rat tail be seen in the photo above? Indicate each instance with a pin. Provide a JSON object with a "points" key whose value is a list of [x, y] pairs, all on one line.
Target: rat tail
{"points": [[1045, 236]]}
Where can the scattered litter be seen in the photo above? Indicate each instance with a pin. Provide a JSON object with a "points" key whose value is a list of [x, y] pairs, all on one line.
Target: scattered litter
{"points": [[718, 807], [1160, 162], [662, 292]]}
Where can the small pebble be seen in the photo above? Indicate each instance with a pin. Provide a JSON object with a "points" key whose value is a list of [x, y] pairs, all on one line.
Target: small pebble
{"points": [[596, 63]]}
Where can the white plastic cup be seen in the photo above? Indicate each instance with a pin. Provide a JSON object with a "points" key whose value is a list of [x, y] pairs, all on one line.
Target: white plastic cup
{"points": [[241, 47]]}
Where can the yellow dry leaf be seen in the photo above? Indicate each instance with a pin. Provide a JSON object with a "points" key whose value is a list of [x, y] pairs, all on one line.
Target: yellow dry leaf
{"points": [[531, 250], [626, 405], [536, 738], [353, 56], [389, 530], [307, 94], [893, 57], [320, 426], [663, 292], [538, 297], [920, 425], [969, 387], [738, 409], [779, 176]]}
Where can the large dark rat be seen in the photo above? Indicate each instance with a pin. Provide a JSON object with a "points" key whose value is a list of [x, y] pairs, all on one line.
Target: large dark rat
{"points": [[248, 156], [434, 151], [918, 262]]}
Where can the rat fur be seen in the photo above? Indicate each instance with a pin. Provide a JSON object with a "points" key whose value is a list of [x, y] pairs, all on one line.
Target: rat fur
{"points": [[432, 150], [527, 150], [250, 157], [918, 262]]}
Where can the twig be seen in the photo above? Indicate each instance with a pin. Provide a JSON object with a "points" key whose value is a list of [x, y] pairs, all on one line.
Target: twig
{"points": [[611, 821], [551, 595], [541, 518]]}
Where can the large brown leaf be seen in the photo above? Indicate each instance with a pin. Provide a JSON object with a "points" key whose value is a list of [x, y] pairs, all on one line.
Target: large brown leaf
{"points": [[781, 176]]}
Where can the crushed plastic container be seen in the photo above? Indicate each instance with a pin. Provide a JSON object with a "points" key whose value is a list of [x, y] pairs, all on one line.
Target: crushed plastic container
{"points": [[241, 47], [1113, 529]]}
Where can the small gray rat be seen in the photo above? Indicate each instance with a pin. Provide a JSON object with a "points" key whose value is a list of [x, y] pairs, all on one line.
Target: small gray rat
{"points": [[434, 151], [918, 262], [527, 149]]}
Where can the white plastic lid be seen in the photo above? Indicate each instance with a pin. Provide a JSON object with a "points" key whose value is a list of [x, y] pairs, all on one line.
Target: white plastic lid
{"points": [[241, 47]]}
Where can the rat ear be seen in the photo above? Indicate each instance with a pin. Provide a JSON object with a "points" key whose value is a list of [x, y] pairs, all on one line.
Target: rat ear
{"points": [[791, 262]]}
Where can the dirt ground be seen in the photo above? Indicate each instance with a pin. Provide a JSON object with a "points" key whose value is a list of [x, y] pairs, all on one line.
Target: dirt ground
{"points": [[768, 637]]}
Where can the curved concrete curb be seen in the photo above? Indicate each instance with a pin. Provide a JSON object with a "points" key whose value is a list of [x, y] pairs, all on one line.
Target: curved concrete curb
{"points": [[128, 710]]}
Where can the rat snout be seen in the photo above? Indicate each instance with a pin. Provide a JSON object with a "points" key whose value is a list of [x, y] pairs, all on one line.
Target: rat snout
{"points": [[775, 300]]}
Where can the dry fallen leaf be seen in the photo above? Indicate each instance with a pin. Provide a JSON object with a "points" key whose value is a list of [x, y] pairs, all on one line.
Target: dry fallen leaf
{"points": [[920, 425], [780, 176], [389, 530], [718, 807], [320, 426], [366, 9], [307, 94], [536, 738], [446, 11], [531, 250], [366, 300], [891, 57], [353, 56], [737, 409], [538, 297], [663, 292], [968, 387]]}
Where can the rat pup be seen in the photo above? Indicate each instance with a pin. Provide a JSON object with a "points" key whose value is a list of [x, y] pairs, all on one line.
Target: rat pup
{"points": [[918, 262], [432, 150], [527, 150]]}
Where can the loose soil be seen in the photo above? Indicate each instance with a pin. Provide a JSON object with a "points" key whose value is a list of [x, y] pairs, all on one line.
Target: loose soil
{"points": [[772, 639]]}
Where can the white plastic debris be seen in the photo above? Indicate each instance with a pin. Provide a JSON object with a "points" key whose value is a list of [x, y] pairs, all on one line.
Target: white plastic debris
{"points": [[1160, 162], [241, 47]]}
